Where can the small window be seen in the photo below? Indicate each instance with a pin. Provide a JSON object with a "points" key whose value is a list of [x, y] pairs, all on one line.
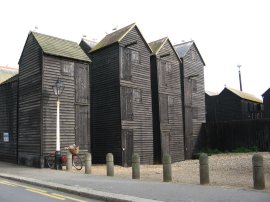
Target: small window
{"points": [[171, 101], [137, 95], [169, 68], [194, 113], [67, 68], [162, 74], [135, 57], [193, 56], [194, 85]]}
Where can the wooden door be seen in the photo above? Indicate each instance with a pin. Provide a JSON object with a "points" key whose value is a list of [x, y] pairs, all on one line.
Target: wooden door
{"points": [[125, 64], [188, 117], [127, 147], [82, 125], [126, 103]]}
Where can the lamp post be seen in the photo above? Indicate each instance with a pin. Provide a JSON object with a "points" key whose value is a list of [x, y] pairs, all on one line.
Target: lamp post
{"points": [[240, 81], [58, 89]]}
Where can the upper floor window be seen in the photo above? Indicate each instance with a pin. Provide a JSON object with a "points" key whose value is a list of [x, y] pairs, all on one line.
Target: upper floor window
{"points": [[67, 68], [135, 57]]}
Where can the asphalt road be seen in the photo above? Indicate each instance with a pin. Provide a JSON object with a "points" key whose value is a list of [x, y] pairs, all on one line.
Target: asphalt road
{"points": [[11, 191]]}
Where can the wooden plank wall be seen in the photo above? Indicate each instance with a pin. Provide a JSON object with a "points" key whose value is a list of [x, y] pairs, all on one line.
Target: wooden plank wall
{"points": [[30, 88], [142, 111], [105, 107], [194, 66], [266, 103], [8, 121], [172, 90], [51, 71], [230, 135]]}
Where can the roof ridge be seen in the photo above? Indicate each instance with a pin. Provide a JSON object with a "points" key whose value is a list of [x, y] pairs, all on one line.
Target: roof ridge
{"points": [[55, 37]]}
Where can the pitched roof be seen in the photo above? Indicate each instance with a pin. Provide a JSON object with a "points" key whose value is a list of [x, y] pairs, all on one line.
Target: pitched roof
{"points": [[267, 92], [184, 47], [210, 93], [244, 95], [157, 45], [113, 37], [11, 79], [60, 47], [90, 43]]}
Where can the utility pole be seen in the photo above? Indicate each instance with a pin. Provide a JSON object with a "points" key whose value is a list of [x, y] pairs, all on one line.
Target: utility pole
{"points": [[240, 81]]}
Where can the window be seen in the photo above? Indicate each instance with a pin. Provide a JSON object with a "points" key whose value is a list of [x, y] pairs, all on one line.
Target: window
{"points": [[137, 95], [135, 57], [194, 85], [193, 56], [171, 101], [169, 68], [67, 68]]}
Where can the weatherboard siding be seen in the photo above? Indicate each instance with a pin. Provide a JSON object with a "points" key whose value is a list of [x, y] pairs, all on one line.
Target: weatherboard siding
{"points": [[196, 67], [105, 108], [8, 121], [30, 88], [142, 110], [172, 90]]}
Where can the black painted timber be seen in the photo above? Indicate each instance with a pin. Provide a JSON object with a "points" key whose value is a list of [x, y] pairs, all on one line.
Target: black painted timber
{"points": [[8, 119]]}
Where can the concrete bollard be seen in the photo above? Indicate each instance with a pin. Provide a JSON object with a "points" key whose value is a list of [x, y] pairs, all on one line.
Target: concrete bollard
{"points": [[110, 164], [135, 166], [88, 163], [258, 172], [204, 169], [69, 161], [167, 168]]}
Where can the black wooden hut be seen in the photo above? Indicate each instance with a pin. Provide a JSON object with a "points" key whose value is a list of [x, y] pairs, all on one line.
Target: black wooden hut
{"points": [[192, 78], [211, 99], [121, 107], [87, 45], [234, 104], [8, 119], [166, 101], [266, 104], [44, 59]]}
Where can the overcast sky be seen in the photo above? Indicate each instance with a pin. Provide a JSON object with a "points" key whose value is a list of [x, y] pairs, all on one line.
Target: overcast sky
{"points": [[226, 32]]}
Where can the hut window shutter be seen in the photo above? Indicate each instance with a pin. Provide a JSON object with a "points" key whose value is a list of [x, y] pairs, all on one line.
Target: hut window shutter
{"points": [[67, 68], [135, 57], [126, 103], [163, 105], [125, 71]]}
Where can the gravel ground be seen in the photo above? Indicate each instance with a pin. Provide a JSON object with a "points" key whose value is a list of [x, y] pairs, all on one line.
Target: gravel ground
{"points": [[228, 170]]}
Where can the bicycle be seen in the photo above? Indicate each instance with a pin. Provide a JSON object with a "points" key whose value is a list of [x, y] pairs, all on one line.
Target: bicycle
{"points": [[76, 160]]}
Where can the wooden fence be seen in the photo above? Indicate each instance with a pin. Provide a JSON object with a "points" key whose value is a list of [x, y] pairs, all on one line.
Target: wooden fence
{"points": [[230, 135]]}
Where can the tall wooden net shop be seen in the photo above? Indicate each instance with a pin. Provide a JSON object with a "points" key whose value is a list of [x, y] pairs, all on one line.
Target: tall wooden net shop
{"points": [[122, 95]]}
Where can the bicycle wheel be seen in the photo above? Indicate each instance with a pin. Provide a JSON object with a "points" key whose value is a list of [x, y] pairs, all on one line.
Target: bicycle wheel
{"points": [[77, 162], [50, 160]]}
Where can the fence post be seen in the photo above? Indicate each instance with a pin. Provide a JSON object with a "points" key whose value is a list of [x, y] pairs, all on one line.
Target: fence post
{"points": [[167, 168], [88, 163], [135, 166], [204, 169], [110, 164], [69, 161], [258, 172]]}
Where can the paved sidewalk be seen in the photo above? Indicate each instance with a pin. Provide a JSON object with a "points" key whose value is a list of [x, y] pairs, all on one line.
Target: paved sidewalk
{"points": [[115, 189]]}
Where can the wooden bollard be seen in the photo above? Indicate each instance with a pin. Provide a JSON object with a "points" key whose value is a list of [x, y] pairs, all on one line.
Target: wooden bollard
{"points": [[135, 166], [88, 163], [110, 164], [258, 172], [204, 169], [69, 161], [167, 168]]}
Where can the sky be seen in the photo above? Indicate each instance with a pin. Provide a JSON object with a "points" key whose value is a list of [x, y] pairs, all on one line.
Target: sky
{"points": [[227, 32]]}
